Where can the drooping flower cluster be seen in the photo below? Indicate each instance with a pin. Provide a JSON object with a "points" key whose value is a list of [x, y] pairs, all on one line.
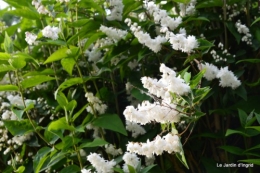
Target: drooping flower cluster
{"points": [[117, 10], [130, 159], [30, 38], [243, 29], [188, 9], [101, 165], [135, 128], [227, 78], [96, 104], [51, 32], [110, 149], [113, 33], [170, 143], [40, 8]]}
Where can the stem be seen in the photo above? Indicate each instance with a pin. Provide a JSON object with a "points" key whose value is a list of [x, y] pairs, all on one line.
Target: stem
{"points": [[224, 20], [114, 90]]}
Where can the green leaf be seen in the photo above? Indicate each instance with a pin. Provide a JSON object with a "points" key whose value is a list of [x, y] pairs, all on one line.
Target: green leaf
{"points": [[204, 44], [26, 13], [115, 123], [256, 20], [18, 113], [4, 56], [187, 77], [70, 169], [75, 116], [191, 58], [58, 55], [35, 80], [61, 99], [139, 95], [4, 68], [251, 162], [98, 142], [130, 6], [68, 64], [210, 3], [8, 88], [17, 63], [257, 117], [50, 136], [182, 159], [254, 127], [92, 4], [147, 169], [232, 149], [20, 169], [249, 60], [242, 117], [196, 79], [8, 44], [60, 124], [231, 131], [69, 141], [40, 158], [18, 127], [69, 83], [241, 91], [182, 1], [93, 38]]}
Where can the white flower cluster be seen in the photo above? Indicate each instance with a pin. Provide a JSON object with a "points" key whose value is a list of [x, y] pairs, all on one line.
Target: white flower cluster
{"points": [[96, 130], [170, 143], [40, 8], [117, 10], [110, 149], [165, 111], [232, 11], [188, 9], [30, 38], [96, 104], [181, 41], [101, 165], [161, 17], [130, 159], [51, 32], [93, 55], [19, 140], [135, 128], [243, 29], [113, 33], [227, 78], [85, 171], [145, 38]]}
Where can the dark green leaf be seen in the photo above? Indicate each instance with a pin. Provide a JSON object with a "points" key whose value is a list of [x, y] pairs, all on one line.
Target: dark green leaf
{"points": [[114, 125], [40, 158], [75, 116], [232, 149], [242, 117], [251, 162], [210, 3], [35, 80], [249, 60], [96, 143], [70, 169], [232, 28], [18, 127]]}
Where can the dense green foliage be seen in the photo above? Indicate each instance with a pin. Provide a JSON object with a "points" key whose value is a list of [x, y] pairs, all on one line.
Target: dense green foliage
{"points": [[45, 86]]}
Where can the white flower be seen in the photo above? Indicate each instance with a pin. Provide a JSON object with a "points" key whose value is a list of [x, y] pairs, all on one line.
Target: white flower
{"points": [[113, 33], [97, 104], [211, 71], [227, 78], [51, 32], [110, 149], [30, 38], [101, 165], [85, 171], [135, 128], [130, 159], [117, 10]]}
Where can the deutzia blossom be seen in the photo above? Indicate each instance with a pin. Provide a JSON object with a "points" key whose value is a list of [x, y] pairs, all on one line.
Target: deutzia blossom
{"points": [[96, 104], [115, 34], [85, 171], [227, 78], [101, 165], [117, 10], [51, 32], [40, 8], [188, 9], [110, 149], [130, 159], [211, 71], [135, 128], [30, 38], [170, 143]]}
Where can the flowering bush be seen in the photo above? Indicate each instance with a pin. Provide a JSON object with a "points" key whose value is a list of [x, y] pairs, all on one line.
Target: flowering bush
{"points": [[129, 86]]}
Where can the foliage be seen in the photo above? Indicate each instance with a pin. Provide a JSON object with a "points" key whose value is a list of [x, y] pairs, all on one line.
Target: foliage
{"points": [[129, 86]]}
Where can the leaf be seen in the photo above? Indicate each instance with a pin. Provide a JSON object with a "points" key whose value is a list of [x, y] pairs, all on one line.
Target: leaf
{"points": [[57, 55], [98, 142], [115, 123], [232, 149], [4, 56], [17, 63], [241, 91], [242, 117], [130, 6], [191, 58], [210, 3], [187, 77], [61, 99], [254, 127], [196, 79], [9, 88], [92, 4], [182, 159], [35, 80], [93, 38], [20, 169], [70, 169], [4, 68], [69, 83], [26, 13], [75, 116], [69, 141], [40, 158], [249, 60], [60, 124], [50, 136], [182, 1], [256, 20], [8, 44], [18, 113], [148, 168], [231, 131], [68, 64], [18, 127], [251, 162]]}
